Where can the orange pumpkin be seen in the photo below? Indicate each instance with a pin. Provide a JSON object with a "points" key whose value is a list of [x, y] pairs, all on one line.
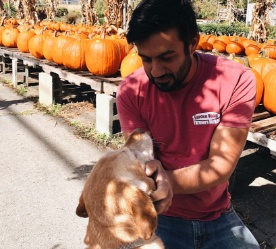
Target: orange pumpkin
{"points": [[2, 28], [38, 29], [270, 91], [23, 39], [9, 37], [220, 43], [23, 27], [235, 47], [11, 21], [247, 42], [267, 42], [253, 56], [47, 47], [262, 65], [251, 49], [259, 86], [127, 46], [271, 50], [130, 63], [102, 57], [64, 26], [73, 53], [223, 38], [57, 47], [36, 46], [207, 42], [120, 45], [54, 26], [199, 45], [220, 46], [239, 39]]}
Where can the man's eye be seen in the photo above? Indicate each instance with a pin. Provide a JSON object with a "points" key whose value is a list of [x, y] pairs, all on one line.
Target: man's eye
{"points": [[167, 59], [144, 59]]}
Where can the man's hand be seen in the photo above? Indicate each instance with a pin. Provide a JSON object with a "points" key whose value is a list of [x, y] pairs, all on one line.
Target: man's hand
{"points": [[163, 195]]}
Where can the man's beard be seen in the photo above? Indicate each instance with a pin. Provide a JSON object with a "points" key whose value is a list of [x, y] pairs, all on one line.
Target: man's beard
{"points": [[177, 79]]}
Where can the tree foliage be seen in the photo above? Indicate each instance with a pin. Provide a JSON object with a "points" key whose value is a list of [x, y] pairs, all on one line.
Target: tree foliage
{"points": [[206, 9]]}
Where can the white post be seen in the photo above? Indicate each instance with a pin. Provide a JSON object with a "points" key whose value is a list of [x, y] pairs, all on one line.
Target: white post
{"points": [[46, 91], [14, 72], [105, 115]]}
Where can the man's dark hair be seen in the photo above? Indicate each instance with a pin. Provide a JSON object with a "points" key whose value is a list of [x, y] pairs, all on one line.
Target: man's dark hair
{"points": [[152, 16]]}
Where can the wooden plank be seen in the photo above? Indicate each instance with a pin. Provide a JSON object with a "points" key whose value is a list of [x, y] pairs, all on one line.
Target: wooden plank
{"points": [[27, 59], [264, 125], [260, 113], [8, 52]]}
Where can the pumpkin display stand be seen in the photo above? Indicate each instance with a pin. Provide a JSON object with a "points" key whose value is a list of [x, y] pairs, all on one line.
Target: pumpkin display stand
{"points": [[262, 131]]}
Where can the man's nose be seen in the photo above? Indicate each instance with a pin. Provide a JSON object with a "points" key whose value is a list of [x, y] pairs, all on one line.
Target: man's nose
{"points": [[157, 69]]}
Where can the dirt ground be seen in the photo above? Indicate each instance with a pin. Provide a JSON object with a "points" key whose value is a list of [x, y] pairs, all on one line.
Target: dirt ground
{"points": [[254, 195]]}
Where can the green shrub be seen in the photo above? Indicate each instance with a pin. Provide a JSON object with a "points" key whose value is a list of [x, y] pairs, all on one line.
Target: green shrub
{"points": [[10, 9], [101, 18], [72, 17], [62, 12], [272, 32], [205, 8], [238, 28]]}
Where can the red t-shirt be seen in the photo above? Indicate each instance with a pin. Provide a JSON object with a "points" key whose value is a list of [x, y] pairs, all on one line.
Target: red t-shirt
{"points": [[182, 123]]}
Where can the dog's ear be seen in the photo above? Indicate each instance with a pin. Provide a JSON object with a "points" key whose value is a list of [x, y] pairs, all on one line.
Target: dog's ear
{"points": [[81, 210]]}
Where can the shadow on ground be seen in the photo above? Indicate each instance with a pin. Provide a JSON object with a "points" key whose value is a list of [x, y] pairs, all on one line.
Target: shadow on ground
{"points": [[254, 194], [82, 172]]}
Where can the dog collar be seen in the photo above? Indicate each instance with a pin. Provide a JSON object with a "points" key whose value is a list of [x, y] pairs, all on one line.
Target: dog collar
{"points": [[134, 244], [137, 243]]}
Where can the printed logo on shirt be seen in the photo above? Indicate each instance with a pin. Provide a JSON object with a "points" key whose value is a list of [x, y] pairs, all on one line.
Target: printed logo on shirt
{"points": [[206, 118]]}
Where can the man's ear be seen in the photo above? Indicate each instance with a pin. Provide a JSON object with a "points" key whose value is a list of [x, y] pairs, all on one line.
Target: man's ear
{"points": [[194, 43], [81, 210]]}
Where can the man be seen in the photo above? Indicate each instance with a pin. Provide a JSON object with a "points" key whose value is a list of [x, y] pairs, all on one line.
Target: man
{"points": [[198, 109]]}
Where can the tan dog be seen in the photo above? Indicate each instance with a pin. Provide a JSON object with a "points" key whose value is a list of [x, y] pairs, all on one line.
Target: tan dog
{"points": [[116, 199]]}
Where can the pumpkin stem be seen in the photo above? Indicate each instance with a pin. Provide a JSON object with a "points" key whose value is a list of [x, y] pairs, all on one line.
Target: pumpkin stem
{"points": [[103, 34], [232, 56], [264, 53], [135, 50], [246, 62], [241, 34], [215, 52]]}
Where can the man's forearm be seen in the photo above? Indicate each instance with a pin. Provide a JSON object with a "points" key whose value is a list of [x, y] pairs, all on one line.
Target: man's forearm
{"points": [[200, 177]]}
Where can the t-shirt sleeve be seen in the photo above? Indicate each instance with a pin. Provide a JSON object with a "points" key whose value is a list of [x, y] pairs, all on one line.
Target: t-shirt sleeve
{"points": [[127, 102], [239, 110]]}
